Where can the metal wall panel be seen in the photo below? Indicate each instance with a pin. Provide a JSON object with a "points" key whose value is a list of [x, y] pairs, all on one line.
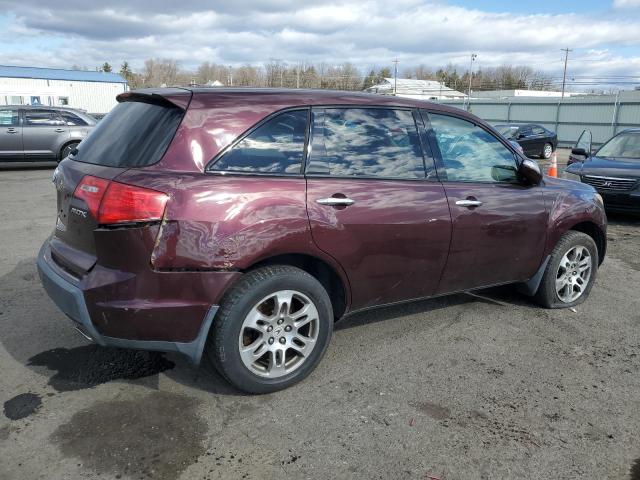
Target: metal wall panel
{"points": [[604, 115], [94, 97]]}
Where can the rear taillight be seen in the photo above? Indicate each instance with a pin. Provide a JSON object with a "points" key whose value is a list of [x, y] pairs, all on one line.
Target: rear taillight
{"points": [[91, 190], [114, 202]]}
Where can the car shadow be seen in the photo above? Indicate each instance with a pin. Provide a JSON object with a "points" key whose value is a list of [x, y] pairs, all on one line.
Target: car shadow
{"points": [[37, 335]]}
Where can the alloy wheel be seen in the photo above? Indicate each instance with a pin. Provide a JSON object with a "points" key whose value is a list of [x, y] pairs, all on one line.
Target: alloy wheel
{"points": [[548, 150], [573, 274], [278, 334]]}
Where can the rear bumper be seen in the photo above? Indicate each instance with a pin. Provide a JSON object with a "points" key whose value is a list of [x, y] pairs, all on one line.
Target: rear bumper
{"points": [[69, 296]]}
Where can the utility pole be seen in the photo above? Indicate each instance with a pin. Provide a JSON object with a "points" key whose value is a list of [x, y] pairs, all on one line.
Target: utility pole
{"points": [[473, 57], [564, 75], [395, 76]]}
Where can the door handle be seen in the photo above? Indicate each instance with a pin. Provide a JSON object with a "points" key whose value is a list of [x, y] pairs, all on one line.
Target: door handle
{"points": [[59, 130], [11, 130], [469, 203], [336, 201]]}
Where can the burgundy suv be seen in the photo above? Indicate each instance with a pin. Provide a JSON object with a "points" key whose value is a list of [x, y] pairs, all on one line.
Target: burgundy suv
{"points": [[241, 223]]}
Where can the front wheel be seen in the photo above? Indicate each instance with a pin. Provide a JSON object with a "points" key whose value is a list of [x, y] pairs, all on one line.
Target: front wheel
{"points": [[570, 272], [272, 329], [547, 151]]}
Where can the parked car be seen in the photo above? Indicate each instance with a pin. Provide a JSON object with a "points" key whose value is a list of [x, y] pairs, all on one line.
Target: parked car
{"points": [[535, 140], [36, 133], [613, 169], [243, 222]]}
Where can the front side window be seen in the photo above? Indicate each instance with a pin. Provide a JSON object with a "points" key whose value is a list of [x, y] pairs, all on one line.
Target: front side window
{"points": [[470, 153], [367, 142], [9, 118], [42, 118], [275, 147]]}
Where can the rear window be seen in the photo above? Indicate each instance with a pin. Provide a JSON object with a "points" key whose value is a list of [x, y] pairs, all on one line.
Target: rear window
{"points": [[134, 134]]}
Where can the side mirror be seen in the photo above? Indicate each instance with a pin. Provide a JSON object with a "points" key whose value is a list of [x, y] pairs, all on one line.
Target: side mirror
{"points": [[579, 151], [521, 135], [530, 171]]}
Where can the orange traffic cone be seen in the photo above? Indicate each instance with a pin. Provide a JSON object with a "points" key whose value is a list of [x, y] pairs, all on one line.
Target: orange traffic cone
{"points": [[553, 168]]}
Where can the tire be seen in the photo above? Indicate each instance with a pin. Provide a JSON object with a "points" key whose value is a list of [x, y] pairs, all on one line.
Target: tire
{"points": [[66, 150], [548, 294], [247, 305], [547, 151]]}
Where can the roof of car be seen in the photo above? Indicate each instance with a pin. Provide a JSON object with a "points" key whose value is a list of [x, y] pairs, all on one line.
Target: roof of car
{"points": [[294, 97], [40, 107]]}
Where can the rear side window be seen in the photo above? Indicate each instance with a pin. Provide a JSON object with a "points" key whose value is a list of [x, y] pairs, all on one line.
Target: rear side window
{"points": [[9, 118], [367, 142], [538, 130], [134, 134], [42, 118], [276, 147], [72, 119]]}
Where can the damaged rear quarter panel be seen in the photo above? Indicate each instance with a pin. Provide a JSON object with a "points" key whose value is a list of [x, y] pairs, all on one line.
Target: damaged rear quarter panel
{"points": [[227, 222]]}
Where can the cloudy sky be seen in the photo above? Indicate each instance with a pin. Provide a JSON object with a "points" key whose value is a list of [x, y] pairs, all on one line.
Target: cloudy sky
{"points": [[605, 34]]}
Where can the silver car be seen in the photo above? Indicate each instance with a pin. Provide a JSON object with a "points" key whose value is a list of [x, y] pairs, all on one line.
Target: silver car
{"points": [[38, 133]]}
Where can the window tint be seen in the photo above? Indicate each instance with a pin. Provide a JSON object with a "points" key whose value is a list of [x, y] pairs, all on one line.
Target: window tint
{"points": [[8, 118], [134, 134], [371, 142], [537, 130], [72, 119], [45, 118], [276, 146], [470, 153]]}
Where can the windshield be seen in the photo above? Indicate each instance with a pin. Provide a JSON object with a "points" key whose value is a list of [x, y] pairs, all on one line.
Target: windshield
{"points": [[134, 134], [507, 130], [626, 145]]}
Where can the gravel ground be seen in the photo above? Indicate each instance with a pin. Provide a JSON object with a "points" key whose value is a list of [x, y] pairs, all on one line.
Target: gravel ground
{"points": [[474, 386]]}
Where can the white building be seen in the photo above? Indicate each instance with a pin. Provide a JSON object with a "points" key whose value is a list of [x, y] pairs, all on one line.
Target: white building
{"points": [[521, 93], [419, 89], [94, 92]]}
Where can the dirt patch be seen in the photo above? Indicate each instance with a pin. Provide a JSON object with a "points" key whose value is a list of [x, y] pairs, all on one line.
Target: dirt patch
{"points": [[156, 436], [433, 410], [21, 406], [91, 365], [623, 238], [4, 433]]}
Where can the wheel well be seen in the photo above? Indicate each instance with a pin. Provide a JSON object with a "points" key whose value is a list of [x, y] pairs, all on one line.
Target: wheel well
{"points": [[65, 145], [598, 236], [320, 270]]}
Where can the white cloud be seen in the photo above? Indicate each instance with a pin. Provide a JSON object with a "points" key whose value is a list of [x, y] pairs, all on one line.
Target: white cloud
{"points": [[364, 32], [626, 3]]}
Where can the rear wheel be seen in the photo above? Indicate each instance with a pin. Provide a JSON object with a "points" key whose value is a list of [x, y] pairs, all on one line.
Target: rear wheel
{"points": [[66, 150], [272, 329], [570, 272], [547, 151]]}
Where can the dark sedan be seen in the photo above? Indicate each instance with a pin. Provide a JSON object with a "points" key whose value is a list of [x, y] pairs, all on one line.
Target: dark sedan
{"points": [[535, 140], [614, 169]]}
